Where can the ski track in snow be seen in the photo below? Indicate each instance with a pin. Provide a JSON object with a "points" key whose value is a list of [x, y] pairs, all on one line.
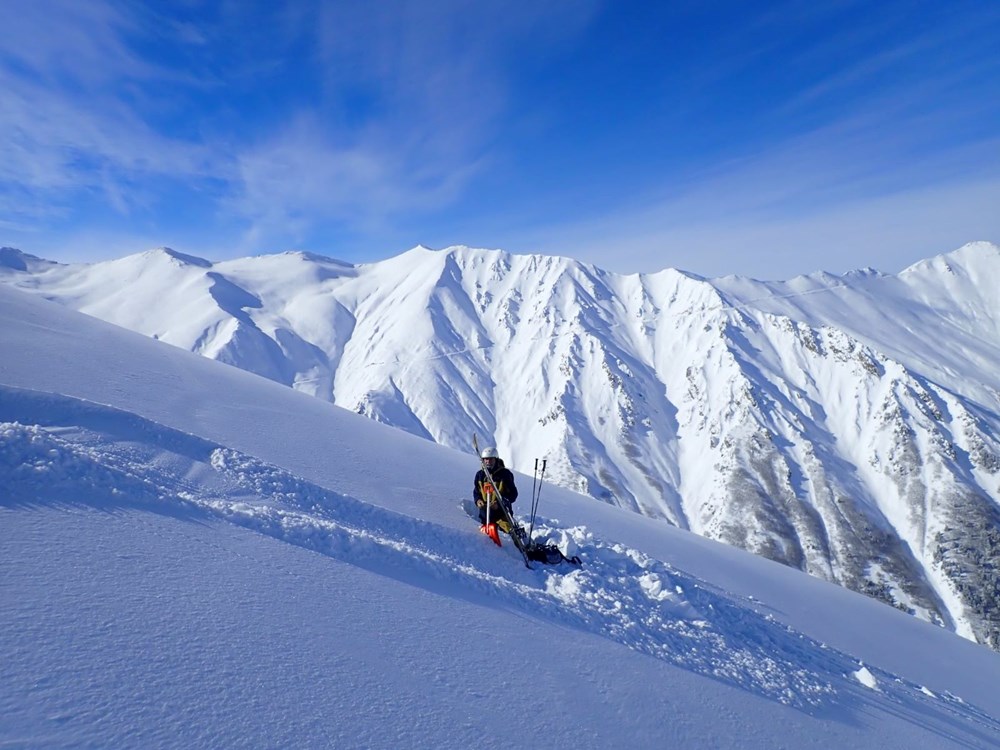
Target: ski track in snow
{"points": [[94, 455]]}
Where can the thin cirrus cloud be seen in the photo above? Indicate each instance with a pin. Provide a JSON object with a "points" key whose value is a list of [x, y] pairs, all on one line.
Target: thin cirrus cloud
{"points": [[299, 178], [709, 136], [68, 116], [409, 97], [287, 120]]}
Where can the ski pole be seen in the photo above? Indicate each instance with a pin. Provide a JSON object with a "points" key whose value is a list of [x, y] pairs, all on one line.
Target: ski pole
{"points": [[535, 496], [534, 476]]}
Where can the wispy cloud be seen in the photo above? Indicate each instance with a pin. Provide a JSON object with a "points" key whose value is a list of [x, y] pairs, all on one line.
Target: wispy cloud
{"points": [[68, 121], [412, 94], [280, 124], [376, 111], [55, 141], [57, 43], [299, 178]]}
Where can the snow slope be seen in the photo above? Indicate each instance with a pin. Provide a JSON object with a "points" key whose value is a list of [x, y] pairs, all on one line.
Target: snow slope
{"points": [[845, 426], [195, 556]]}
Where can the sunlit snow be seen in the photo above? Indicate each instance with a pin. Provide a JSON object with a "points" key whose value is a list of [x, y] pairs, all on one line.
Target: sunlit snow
{"points": [[845, 426], [191, 555]]}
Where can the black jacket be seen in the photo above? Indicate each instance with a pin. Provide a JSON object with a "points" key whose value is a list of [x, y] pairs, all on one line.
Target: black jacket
{"points": [[504, 480]]}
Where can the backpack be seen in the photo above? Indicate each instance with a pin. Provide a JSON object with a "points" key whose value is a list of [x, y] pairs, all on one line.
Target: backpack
{"points": [[549, 554]]}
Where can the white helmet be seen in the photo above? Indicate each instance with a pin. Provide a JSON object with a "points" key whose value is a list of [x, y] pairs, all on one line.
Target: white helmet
{"points": [[489, 453]]}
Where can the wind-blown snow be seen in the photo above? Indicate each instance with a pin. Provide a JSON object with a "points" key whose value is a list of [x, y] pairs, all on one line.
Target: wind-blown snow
{"points": [[194, 556]]}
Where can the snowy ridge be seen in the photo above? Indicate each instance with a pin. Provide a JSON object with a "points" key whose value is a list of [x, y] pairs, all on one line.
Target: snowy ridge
{"points": [[845, 426]]}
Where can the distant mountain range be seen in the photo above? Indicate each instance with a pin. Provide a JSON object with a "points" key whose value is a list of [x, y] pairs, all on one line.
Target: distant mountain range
{"points": [[844, 425]]}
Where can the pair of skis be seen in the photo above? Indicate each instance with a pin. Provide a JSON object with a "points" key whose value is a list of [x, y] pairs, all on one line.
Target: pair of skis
{"points": [[517, 534]]}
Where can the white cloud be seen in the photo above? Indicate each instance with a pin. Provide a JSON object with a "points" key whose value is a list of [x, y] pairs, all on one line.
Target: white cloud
{"points": [[413, 94], [58, 41], [68, 121], [299, 177], [405, 119]]}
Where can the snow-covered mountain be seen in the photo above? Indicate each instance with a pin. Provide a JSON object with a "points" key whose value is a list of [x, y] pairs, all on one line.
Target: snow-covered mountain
{"points": [[843, 425], [193, 556]]}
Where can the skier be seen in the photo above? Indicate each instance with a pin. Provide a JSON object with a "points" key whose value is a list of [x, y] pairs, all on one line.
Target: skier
{"points": [[482, 490]]}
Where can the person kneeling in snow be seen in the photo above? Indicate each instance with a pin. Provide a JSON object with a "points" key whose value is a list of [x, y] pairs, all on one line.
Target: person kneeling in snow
{"points": [[482, 490]]}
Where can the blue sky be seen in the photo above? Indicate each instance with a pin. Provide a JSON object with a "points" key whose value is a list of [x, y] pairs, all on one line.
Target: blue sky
{"points": [[763, 139]]}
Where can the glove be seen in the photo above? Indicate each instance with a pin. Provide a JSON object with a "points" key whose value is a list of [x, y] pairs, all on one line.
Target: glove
{"points": [[480, 503]]}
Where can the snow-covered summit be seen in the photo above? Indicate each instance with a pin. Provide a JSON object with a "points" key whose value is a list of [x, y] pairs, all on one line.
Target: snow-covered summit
{"points": [[15, 260], [976, 257], [178, 257]]}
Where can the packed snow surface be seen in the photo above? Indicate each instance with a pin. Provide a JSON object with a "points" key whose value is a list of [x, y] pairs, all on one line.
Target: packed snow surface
{"points": [[191, 555]]}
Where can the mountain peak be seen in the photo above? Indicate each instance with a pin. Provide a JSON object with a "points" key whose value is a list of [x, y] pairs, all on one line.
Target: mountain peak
{"points": [[183, 258], [864, 273], [17, 260], [315, 257], [971, 256]]}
